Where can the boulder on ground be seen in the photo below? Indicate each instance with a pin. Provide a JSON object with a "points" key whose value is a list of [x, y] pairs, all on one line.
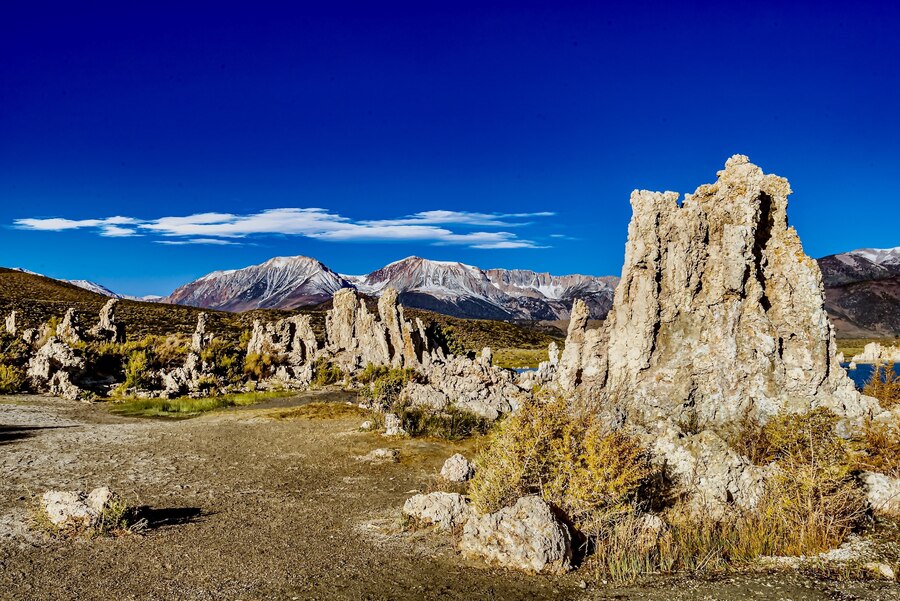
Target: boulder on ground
{"points": [[381, 456], [457, 469], [393, 426], [76, 509], [527, 536], [883, 493], [443, 509]]}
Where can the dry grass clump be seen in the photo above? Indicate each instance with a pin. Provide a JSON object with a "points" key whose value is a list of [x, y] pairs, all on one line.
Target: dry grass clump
{"points": [[812, 499], [604, 483], [13, 359], [879, 448], [884, 385], [591, 474], [322, 410]]}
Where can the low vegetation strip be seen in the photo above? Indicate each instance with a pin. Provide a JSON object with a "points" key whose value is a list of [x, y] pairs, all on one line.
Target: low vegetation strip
{"points": [[189, 407]]}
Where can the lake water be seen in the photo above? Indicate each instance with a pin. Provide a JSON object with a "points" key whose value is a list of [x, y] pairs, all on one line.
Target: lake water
{"points": [[861, 374]]}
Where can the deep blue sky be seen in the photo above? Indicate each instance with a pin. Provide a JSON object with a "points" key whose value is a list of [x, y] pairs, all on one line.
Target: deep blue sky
{"points": [[379, 110]]}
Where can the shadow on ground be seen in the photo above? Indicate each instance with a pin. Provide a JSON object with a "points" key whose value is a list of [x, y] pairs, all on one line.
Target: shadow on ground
{"points": [[10, 434], [160, 517]]}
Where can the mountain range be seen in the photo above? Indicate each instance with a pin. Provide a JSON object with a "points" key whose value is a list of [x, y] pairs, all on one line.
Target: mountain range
{"points": [[862, 289], [445, 287]]}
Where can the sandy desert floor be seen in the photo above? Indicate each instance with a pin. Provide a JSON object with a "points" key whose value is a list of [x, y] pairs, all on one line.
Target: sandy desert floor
{"points": [[244, 505]]}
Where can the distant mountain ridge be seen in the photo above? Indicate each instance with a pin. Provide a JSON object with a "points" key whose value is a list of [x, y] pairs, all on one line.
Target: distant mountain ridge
{"points": [[447, 287], [862, 291], [95, 287]]}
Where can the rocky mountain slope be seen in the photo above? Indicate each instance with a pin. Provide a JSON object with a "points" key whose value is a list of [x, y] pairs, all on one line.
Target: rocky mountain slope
{"points": [[466, 291], [282, 283], [444, 287], [862, 292]]}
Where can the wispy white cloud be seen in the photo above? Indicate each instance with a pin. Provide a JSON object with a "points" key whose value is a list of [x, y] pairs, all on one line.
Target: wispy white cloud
{"points": [[213, 241], [429, 227]]}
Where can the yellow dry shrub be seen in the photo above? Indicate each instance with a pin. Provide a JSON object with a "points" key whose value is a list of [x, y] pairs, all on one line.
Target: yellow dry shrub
{"points": [[569, 460], [884, 385]]}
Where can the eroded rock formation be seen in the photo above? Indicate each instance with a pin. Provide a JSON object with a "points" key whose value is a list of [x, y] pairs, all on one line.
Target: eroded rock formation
{"points": [[11, 323], [719, 313], [69, 329], [876, 353], [108, 328], [55, 368], [527, 536]]}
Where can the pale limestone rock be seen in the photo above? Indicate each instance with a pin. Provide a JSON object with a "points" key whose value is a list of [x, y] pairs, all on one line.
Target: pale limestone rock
{"points": [[881, 569], [69, 330], [583, 361], [527, 536], [52, 368], [487, 357], [291, 340], [707, 470], [457, 469], [200, 339], [424, 396], [381, 456], [393, 426], [475, 387], [443, 509], [883, 493], [390, 317], [76, 509], [340, 320], [718, 314], [367, 425], [874, 352], [108, 329], [11, 323], [852, 366]]}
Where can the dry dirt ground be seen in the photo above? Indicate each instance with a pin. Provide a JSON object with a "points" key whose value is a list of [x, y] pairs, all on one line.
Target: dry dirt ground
{"points": [[243, 505]]}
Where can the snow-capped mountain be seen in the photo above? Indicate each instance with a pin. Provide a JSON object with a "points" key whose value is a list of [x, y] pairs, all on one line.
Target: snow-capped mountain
{"points": [[467, 291], [865, 264], [94, 287], [446, 287], [282, 282], [886, 257]]}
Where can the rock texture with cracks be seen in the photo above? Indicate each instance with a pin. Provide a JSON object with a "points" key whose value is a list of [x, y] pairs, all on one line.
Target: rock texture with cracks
{"points": [[719, 313]]}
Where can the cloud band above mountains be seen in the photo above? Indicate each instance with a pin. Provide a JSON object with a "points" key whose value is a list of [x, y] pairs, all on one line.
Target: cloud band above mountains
{"points": [[457, 228]]}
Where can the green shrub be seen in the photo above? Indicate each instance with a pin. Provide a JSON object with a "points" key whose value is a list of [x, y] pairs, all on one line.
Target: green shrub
{"points": [[385, 384], [13, 350], [260, 366], [448, 424], [326, 373], [137, 370], [12, 379], [224, 360]]}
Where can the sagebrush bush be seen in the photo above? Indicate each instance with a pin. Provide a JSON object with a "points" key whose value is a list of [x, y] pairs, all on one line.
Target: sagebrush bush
{"points": [[449, 424], [224, 360], [137, 370], [12, 379], [13, 350], [326, 373], [571, 461], [385, 383], [879, 448], [260, 366], [812, 499], [884, 385]]}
